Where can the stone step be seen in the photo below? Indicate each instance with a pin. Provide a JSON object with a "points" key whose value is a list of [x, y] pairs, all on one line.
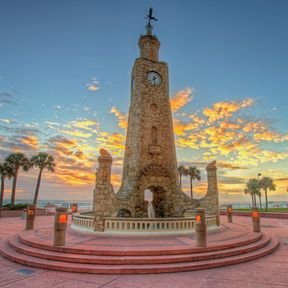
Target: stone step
{"points": [[17, 245], [13, 255], [28, 238]]}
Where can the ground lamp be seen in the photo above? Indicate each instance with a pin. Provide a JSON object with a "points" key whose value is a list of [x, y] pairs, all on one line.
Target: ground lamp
{"points": [[30, 216], [229, 213], [255, 219], [74, 207], [200, 227], [60, 226]]}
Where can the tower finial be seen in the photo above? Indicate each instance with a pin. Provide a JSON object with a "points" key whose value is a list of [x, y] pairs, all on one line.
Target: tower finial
{"points": [[150, 18]]}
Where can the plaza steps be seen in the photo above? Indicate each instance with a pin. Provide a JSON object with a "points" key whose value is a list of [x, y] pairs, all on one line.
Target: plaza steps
{"points": [[25, 249]]}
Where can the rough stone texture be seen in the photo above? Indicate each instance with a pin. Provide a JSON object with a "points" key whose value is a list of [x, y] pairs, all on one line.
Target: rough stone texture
{"points": [[150, 155]]}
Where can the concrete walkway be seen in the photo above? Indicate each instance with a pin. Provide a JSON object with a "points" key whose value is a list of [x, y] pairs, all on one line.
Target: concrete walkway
{"points": [[270, 271]]}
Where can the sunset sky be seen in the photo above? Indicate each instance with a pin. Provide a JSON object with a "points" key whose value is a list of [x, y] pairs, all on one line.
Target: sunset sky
{"points": [[65, 87]]}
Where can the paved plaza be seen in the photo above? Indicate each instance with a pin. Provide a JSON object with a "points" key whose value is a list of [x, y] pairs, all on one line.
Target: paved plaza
{"points": [[270, 271]]}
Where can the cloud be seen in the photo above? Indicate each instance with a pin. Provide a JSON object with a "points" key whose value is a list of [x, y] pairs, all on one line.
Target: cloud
{"points": [[57, 107], [122, 118], [180, 99], [113, 142], [221, 133], [6, 99], [93, 85], [222, 110]]}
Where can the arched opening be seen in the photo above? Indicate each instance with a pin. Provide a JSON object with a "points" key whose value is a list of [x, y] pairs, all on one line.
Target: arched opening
{"points": [[124, 213], [156, 198], [148, 198], [188, 213]]}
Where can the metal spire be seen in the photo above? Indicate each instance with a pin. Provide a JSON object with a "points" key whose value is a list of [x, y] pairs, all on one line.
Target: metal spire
{"points": [[150, 18]]}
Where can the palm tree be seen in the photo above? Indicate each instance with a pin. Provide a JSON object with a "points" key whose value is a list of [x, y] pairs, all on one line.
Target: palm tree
{"points": [[182, 171], [267, 183], [42, 161], [194, 174], [5, 171], [15, 161], [252, 188]]}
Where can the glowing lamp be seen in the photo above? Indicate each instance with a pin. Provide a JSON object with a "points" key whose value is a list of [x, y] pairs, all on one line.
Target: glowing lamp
{"points": [[73, 209], [229, 209], [255, 214], [30, 211], [62, 218], [198, 219]]}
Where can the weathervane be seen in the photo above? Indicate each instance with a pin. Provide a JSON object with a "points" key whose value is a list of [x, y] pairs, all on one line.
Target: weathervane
{"points": [[150, 18]]}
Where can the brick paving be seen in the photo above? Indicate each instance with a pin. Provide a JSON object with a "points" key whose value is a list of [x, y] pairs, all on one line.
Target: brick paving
{"points": [[270, 271]]}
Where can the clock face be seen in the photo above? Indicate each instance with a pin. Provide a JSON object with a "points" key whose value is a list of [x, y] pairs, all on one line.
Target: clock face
{"points": [[154, 78]]}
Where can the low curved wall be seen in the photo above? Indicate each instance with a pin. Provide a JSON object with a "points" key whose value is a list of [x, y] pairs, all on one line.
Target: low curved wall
{"points": [[113, 225]]}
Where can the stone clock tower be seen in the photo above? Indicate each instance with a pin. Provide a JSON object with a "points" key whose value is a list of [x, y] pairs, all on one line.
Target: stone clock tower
{"points": [[150, 157]]}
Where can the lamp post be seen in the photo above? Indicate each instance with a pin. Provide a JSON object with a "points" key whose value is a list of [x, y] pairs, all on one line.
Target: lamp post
{"points": [[255, 219], [200, 227], [229, 213], [30, 216], [60, 226]]}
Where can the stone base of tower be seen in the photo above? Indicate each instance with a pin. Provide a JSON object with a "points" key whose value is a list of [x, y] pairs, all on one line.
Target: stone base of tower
{"points": [[168, 199]]}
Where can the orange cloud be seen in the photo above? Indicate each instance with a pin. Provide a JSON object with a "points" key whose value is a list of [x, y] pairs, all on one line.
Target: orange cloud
{"points": [[222, 110], [122, 118], [31, 141], [180, 99], [76, 133], [114, 142]]}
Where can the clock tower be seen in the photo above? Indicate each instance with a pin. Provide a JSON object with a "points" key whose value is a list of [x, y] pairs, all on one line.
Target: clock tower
{"points": [[150, 158]]}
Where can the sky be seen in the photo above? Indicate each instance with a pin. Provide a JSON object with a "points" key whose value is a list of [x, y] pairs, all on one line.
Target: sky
{"points": [[65, 88]]}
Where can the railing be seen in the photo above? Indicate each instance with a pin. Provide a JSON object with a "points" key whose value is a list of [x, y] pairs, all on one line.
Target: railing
{"points": [[141, 225], [83, 221]]}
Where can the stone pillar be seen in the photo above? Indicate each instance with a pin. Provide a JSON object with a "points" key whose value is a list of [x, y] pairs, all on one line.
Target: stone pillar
{"points": [[30, 216], [60, 226], [255, 219], [200, 227], [212, 197], [229, 214], [104, 197]]}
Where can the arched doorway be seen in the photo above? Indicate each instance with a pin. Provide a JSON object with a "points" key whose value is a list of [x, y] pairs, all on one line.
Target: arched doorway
{"points": [[156, 195]]}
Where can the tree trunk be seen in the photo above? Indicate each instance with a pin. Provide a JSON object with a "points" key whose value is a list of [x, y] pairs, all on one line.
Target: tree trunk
{"points": [[13, 193], [180, 177], [37, 187], [2, 192], [266, 199], [191, 187], [260, 201], [254, 200]]}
